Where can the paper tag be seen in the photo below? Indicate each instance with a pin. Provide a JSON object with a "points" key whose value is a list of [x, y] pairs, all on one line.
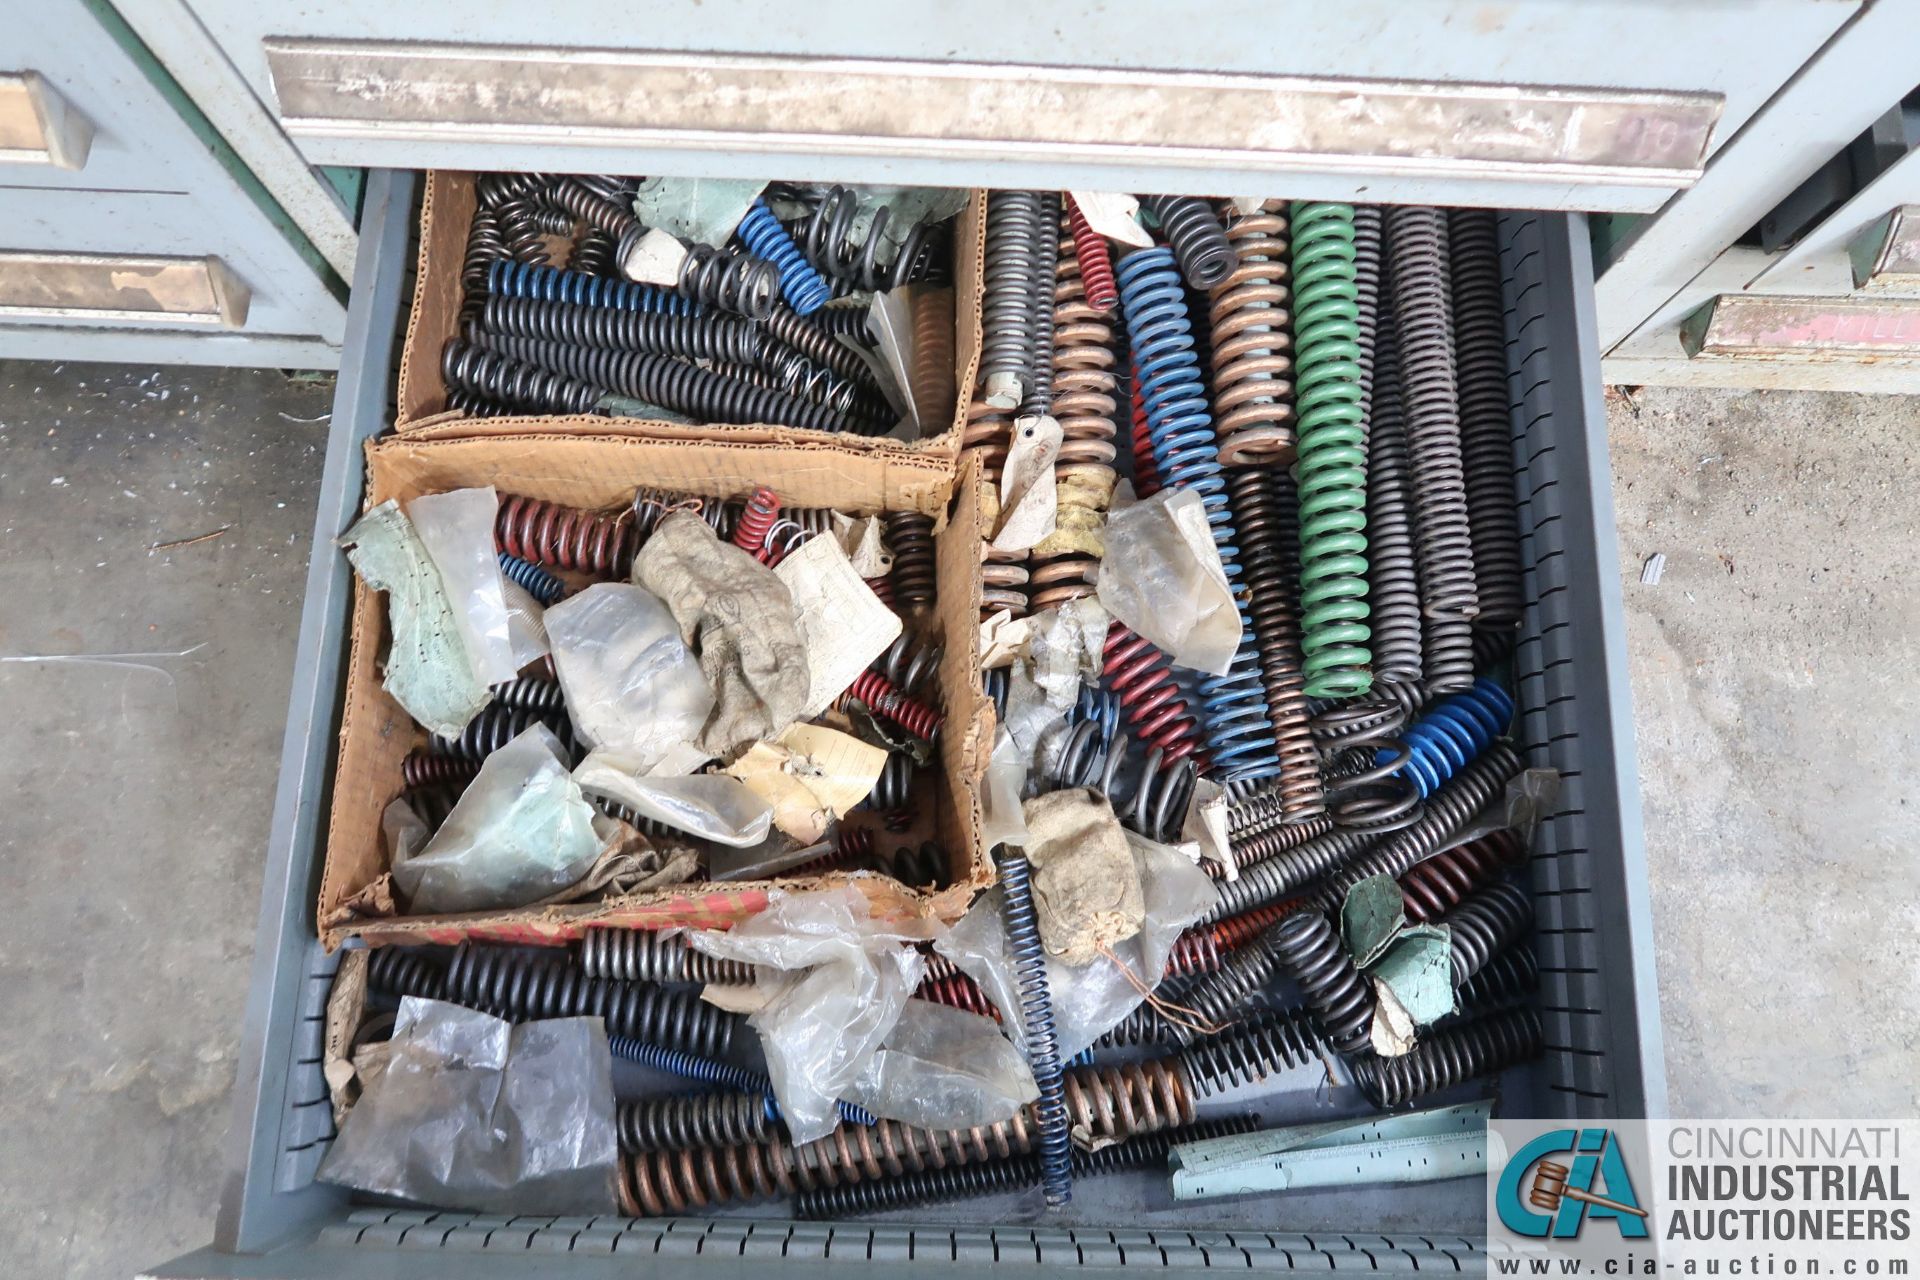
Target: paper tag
{"points": [[1206, 825], [1002, 637], [797, 811], [841, 769], [655, 258], [1114, 215], [842, 623], [1392, 1031], [866, 545], [1028, 497]]}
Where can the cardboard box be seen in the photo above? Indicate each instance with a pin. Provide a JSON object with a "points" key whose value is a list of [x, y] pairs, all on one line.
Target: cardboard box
{"points": [[446, 213], [601, 471]]}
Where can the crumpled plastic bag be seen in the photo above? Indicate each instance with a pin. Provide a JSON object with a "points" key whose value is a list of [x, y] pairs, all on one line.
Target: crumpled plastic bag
{"points": [[1162, 576], [944, 1068], [474, 1113], [709, 805], [631, 684], [1086, 881], [457, 530], [1089, 1000], [738, 617], [520, 831], [832, 984]]}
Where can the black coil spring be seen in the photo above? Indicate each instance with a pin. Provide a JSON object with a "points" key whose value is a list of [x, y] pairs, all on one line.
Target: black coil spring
{"points": [[1145, 1024], [494, 728], [1486, 437], [1367, 790], [1341, 1001], [489, 376], [1451, 1056], [530, 693], [1507, 981], [520, 230], [825, 236], [910, 535], [686, 1121], [423, 768], [593, 254], [1487, 923], [706, 337], [643, 955], [484, 246], [791, 329], [909, 662], [923, 866], [1219, 997], [1368, 278], [433, 804], [893, 789], [1012, 281], [522, 986], [407, 971], [589, 206], [1199, 241], [1046, 264], [1271, 1042], [1284, 865], [730, 280], [1393, 585]]}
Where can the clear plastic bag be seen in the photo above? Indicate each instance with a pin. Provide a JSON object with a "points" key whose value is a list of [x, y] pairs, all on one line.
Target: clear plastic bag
{"points": [[833, 982], [944, 1068], [457, 529], [631, 684], [474, 1113], [520, 831], [526, 624], [1162, 576], [713, 806]]}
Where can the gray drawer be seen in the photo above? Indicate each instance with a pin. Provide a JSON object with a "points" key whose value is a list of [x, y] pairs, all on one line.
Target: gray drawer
{"points": [[1594, 935]]}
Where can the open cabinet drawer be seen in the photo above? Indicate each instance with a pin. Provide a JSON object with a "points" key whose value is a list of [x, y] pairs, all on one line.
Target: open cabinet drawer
{"points": [[1603, 1053]]}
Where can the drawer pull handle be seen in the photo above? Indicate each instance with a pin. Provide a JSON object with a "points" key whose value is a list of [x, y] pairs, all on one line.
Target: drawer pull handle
{"points": [[38, 126], [121, 289]]}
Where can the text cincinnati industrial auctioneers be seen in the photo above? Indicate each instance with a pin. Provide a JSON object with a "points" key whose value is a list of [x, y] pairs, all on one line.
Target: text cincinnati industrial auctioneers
{"points": [[1785, 1183]]}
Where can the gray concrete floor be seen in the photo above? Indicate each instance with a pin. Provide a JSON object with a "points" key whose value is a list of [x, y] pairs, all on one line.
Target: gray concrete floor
{"points": [[1772, 671]]}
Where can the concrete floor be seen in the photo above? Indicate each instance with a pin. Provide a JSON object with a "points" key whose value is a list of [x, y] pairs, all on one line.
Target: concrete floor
{"points": [[1772, 676]]}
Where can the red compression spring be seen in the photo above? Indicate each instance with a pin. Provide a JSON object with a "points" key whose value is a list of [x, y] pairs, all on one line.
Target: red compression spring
{"points": [[1237, 931], [1146, 472], [958, 992], [1096, 261], [883, 699], [1435, 886], [750, 531], [564, 537], [1152, 704], [852, 844]]}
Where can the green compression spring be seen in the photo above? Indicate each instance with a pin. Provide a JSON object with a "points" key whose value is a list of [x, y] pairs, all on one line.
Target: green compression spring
{"points": [[1332, 454]]}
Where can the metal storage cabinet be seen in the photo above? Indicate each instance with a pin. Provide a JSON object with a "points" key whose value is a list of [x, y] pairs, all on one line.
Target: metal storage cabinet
{"points": [[1593, 938]]}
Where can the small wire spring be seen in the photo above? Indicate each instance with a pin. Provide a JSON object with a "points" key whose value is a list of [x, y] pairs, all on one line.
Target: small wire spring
{"points": [[1252, 348], [1453, 733], [564, 537], [689, 1121], [756, 522], [817, 345], [1264, 808], [1153, 705], [1217, 1000], [1432, 887], [1094, 258], [1037, 1029], [1450, 1057], [642, 955], [424, 769], [730, 281], [535, 581], [1198, 239], [690, 337], [1271, 1042], [1492, 919], [514, 385], [521, 986], [593, 254], [407, 971], [1339, 997], [520, 280], [589, 206], [1486, 444], [881, 698], [763, 235], [910, 535]]}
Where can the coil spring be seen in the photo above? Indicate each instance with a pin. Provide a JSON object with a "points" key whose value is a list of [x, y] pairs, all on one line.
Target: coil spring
{"points": [[1046, 259], [1233, 706], [691, 1066], [1218, 999], [1423, 317], [564, 537], [1011, 279], [672, 384], [521, 232], [1368, 276], [1492, 919], [756, 522], [1145, 1024], [484, 247], [1000, 586], [1449, 735], [529, 693], [1394, 597], [881, 698], [1509, 980], [1434, 886], [817, 345], [1448, 813], [1117, 1102], [642, 955], [513, 385], [1154, 707], [1149, 794], [535, 581], [1198, 239], [691, 337], [910, 535], [1252, 395], [1371, 791], [1146, 472], [406, 971], [958, 992], [494, 728], [1263, 808], [1486, 446], [825, 235], [1267, 1044], [593, 254], [694, 1120], [1333, 518], [921, 866], [1195, 953], [766, 239], [518, 280], [1450, 1057], [1237, 931], [909, 662], [433, 805], [730, 281], [1085, 388], [1094, 258], [590, 207], [424, 769], [892, 794], [1036, 1023], [1339, 997], [525, 987]]}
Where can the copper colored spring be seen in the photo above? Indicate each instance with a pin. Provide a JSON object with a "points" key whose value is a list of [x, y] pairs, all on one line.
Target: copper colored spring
{"points": [[1436, 886], [1237, 931], [878, 693], [1153, 705], [1094, 258], [958, 992], [1195, 952], [938, 967], [1002, 577], [423, 768], [1252, 345], [564, 537], [1123, 1101], [750, 533], [989, 431], [666, 1183], [1262, 810], [1085, 390], [910, 536]]}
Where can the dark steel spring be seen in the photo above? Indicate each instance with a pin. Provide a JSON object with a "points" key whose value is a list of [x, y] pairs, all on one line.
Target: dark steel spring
{"points": [[530, 693], [689, 1066], [515, 280], [1271, 1042], [1487, 923], [1437, 885], [881, 698], [1370, 791], [1451, 1056], [531, 578], [1369, 276], [1423, 319], [494, 728], [756, 522], [1252, 347], [1154, 707], [1237, 931], [892, 793], [910, 535], [650, 827], [525, 987], [1507, 981], [688, 1121], [423, 769], [909, 662], [1276, 862], [730, 281], [702, 337], [1095, 260], [593, 254], [491, 190], [1339, 997], [1218, 999], [589, 206], [1194, 953], [1145, 1024], [407, 971], [1036, 1025], [643, 955], [514, 385], [564, 537], [1198, 239], [512, 199], [825, 235], [433, 804], [1394, 595], [1011, 279], [922, 866], [1264, 808], [1046, 261], [1486, 436], [1373, 721], [484, 247], [817, 345]]}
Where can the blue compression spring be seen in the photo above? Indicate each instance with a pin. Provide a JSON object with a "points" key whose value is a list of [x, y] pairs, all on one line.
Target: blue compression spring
{"points": [[706, 1070], [539, 584], [1452, 734], [1186, 454], [522, 280], [765, 238], [1036, 1019]]}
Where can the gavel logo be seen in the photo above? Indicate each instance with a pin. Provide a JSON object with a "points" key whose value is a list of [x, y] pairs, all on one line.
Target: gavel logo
{"points": [[1550, 1187]]}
